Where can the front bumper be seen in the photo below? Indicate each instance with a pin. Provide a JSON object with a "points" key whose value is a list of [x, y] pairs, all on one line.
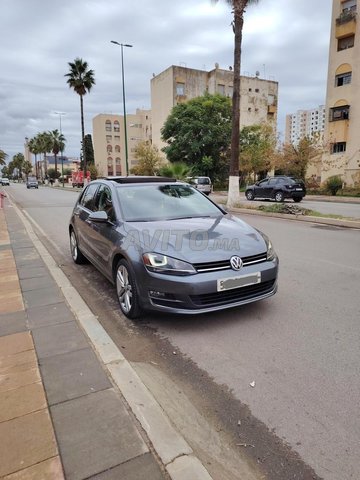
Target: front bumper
{"points": [[195, 294]]}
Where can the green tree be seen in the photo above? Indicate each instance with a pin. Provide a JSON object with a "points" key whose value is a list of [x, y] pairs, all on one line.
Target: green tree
{"points": [[3, 157], [179, 170], [93, 171], [58, 144], [333, 184], [149, 159], [198, 133], [5, 171], [53, 174], [238, 10], [81, 80], [294, 159], [89, 150], [18, 161], [257, 147]]}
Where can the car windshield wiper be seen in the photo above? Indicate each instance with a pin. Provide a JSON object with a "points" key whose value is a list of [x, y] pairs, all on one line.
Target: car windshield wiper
{"points": [[190, 216]]}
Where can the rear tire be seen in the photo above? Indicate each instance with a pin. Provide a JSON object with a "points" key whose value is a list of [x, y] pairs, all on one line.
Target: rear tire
{"points": [[279, 197], [76, 254], [249, 195], [126, 290], [297, 199]]}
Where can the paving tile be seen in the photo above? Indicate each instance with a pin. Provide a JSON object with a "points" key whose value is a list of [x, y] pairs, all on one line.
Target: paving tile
{"points": [[48, 470], [46, 315], [26, 272], [144, 467], [13, 305], [12, 344], [29, 262], [11, 288], [42, 296], [14, 322], [36, 283], [25, 441], [7, 362], [21, 401], [95, 433], [72, 375], [57, 339], [18, 376]]}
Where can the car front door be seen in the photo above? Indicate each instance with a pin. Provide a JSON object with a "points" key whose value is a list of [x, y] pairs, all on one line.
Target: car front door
{"points": [[83, 230], [261, 189]]}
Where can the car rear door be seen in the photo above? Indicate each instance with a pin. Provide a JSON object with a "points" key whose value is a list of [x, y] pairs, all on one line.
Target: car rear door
{"points": [[261, 189]]}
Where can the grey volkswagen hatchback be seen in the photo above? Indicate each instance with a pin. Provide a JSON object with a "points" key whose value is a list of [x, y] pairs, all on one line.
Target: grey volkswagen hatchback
{"points": [[168, 247]]}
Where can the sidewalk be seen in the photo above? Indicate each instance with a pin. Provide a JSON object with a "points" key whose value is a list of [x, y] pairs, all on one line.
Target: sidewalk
{"points": [[62, 415]]}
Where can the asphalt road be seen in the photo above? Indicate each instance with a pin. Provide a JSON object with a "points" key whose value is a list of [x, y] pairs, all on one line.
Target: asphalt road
{"points": [[301, 347]]}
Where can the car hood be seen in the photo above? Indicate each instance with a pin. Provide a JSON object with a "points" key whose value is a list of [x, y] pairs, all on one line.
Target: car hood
{"points": [[196, 240]]}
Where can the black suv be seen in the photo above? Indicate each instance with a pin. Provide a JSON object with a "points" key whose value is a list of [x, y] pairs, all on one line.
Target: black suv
{"points": [[277, 188]]}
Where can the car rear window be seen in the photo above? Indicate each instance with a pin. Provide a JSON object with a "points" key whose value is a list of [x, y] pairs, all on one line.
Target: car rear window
{"points": [[203, 181]]}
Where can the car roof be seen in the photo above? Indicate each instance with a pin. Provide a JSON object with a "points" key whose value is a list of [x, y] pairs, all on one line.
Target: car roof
{"points": [[139, 179]]}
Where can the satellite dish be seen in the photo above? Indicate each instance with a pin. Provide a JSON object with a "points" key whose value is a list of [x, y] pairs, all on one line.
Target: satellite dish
{"points": [[257, 73], [230, 68]]}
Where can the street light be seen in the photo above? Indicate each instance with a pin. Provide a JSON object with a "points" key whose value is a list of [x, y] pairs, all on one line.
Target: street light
{"points": [[61, 151], [123, 91]]}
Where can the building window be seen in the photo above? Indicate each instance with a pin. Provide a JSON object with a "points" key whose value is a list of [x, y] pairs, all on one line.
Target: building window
{"points": [[108, 138], [339, 113], [116, 126], [271, 99], [257, 90], [118, 161], [109, 148], [117, 148], [108, 126], [180, 88], [338, 147], [343, 79], [349, 5], [109, 161], [221, 89], [117, 138], [346, 42]]}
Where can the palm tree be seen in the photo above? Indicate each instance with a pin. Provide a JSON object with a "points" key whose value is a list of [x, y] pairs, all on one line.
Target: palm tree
{"points": [[238, 10], [58, 145], [45, 146], [3, 156], [81, 80], [34, 148]]}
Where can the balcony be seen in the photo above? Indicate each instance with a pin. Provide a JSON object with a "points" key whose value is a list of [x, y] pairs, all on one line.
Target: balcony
{"points": [[346, 24], [346, 17]]}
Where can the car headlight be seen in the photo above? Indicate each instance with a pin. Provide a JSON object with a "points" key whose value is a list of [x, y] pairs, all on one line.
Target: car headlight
{"points": [[156, 262], [270, 252]]}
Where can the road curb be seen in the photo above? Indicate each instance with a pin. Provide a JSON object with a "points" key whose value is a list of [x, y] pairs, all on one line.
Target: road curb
{"points": [[173, 450], [301, 218]]}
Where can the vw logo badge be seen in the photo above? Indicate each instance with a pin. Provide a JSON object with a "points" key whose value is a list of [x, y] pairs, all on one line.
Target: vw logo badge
{"points": [[236, 263]]}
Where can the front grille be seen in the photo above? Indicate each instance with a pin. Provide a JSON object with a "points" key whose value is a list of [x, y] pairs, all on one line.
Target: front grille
{"points": [[225, 264], [232, 296]]}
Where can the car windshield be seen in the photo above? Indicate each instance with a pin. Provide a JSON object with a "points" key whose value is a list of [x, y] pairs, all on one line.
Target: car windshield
{"points": [[164, 202], [32, 179]]}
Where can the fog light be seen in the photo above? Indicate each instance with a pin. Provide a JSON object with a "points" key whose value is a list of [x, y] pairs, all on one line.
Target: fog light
{"points": [[156, 294]]}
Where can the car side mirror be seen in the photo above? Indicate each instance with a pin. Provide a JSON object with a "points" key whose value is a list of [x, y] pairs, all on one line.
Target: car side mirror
{"points": [[99, 217]]}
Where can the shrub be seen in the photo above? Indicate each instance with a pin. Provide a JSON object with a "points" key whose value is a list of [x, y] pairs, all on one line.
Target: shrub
{"points": [[333, 184]]}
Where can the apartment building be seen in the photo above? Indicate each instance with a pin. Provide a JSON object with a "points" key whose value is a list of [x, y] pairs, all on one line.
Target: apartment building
{"points": [[342, 126], [305, 123], [177, 84], [109, 140]]}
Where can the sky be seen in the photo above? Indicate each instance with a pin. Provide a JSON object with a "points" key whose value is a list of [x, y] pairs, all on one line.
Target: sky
{"points": [[285, 40]]}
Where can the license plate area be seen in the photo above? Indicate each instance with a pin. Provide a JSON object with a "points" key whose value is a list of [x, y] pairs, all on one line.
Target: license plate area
{"points": [[299, 189], [238, 282]]}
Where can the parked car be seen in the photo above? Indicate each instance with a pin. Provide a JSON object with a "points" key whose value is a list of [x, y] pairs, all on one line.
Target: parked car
{"points": [[277, 188], [4, 181], [32, 182], [167, 247], [203, 184]]}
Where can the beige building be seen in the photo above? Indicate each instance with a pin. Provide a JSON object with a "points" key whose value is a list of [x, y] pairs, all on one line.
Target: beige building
{"points": [[342, 139], [109, 140], [179, 84]]}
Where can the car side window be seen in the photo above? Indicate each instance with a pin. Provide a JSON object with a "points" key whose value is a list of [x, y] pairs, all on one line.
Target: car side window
{"points": [[263, 183], [104, 202], [281, 180], [87, 199], [273, 181]]}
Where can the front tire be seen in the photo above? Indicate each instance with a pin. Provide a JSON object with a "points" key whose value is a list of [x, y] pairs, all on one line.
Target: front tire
{"points": [[297, 199], [76, 254], [126, 290], [249, 195], [279, 197]]}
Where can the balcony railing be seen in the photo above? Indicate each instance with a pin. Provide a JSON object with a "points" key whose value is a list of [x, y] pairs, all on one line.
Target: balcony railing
{"points": [[346, 17]]}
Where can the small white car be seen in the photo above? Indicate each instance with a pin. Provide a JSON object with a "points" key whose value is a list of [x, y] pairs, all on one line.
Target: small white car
{"points": [[4, 181]]}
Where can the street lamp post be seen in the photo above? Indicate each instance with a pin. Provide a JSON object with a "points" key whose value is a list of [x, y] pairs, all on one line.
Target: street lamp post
{"points": [[123, 92], [61, 151]]}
